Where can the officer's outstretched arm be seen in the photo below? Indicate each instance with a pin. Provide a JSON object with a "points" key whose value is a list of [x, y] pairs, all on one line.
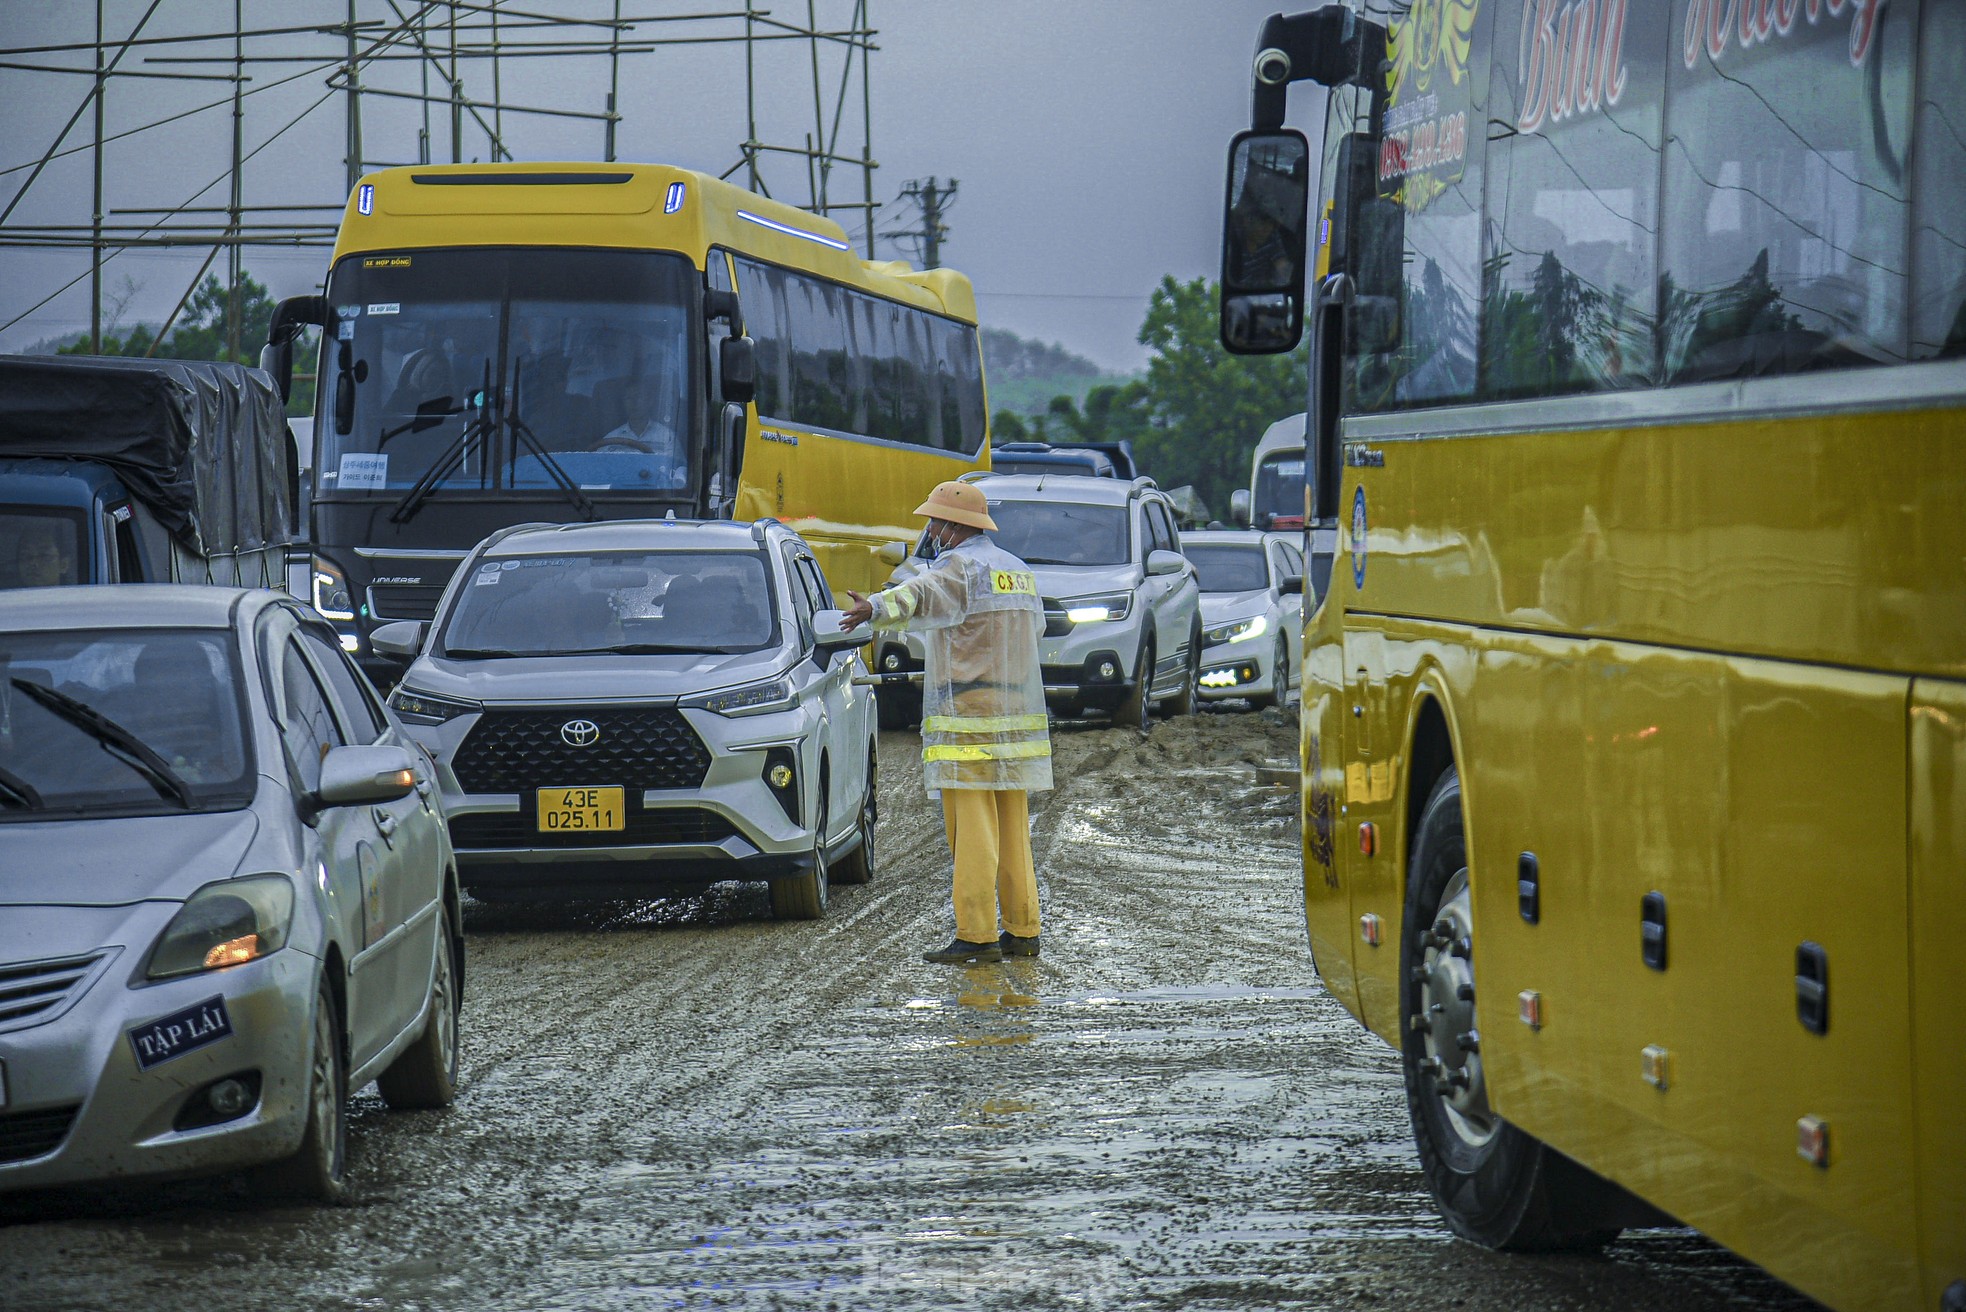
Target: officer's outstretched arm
{"points": [[936, 598]]}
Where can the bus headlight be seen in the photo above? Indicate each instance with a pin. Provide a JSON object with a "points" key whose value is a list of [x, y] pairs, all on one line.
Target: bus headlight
{"points": [[331, 595]]}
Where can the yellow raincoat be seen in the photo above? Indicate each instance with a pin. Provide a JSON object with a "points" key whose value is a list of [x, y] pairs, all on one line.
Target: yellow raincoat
{"points": [[983, 718]]}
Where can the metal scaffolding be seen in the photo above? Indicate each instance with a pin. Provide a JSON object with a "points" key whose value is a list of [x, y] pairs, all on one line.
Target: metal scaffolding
{"points": [[358, 49]]}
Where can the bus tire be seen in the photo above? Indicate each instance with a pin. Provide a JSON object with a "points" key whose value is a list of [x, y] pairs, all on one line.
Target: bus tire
{"points": [[1494, 1184]]}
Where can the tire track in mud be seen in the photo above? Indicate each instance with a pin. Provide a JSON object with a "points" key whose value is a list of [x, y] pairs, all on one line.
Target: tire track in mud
{"points": [[685, 1103]]}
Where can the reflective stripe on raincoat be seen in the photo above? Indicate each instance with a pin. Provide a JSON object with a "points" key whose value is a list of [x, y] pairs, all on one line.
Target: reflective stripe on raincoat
{"points": [[983, 719]]}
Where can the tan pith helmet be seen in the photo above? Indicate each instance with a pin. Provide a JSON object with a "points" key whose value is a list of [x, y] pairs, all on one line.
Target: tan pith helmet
{"points": [[959, 503]]}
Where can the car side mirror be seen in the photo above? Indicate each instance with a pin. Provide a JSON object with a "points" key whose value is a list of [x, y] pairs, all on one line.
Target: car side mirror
{"points": [[1164, 561], [1292, 585], [829, 635], [892, 553], [737, 365], [402, 639], [1239, 506], [356, 776]]}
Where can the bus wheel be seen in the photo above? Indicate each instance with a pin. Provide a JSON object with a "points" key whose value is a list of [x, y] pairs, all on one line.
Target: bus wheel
{"points": [[1493, 1184]]}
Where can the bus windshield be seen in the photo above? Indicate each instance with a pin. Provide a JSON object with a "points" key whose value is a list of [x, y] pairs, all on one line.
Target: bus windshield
{"points": [[1279, 490], [509, 369]]}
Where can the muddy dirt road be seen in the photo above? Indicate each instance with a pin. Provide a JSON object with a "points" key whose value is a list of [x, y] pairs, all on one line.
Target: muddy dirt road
{"points": [[684, 1104]]}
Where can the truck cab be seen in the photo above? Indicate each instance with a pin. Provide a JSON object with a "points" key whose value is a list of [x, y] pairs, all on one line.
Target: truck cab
{"points": [[66, 523]]}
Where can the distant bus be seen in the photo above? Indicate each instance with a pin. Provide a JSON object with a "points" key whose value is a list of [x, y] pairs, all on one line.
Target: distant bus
{"points": [[1634, 720], [554, 342], [1275, 500]]}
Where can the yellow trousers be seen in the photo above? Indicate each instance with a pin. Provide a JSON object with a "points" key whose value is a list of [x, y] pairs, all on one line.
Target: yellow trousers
{"points": [[990, 836]]}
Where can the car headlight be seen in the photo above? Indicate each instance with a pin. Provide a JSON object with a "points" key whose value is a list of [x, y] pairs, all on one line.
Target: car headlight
{"points": [[1106, 606], [225, 924], [750, 699], [331, 595], [1239, 630], [422, 708]]}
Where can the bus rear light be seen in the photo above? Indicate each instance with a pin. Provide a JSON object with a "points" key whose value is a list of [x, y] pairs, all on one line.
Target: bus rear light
{"points": [[1812, 1140], [1368, 838], [1371, 928], [1529, 1006]]}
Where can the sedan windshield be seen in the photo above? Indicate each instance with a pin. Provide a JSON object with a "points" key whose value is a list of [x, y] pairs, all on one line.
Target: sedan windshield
{"points": [[1060, 533], [629, 602], [1228, 567], [120, 723], [510, 369]]}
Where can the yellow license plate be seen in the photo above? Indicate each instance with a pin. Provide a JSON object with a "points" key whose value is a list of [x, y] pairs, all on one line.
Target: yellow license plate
{"points": [[581, 810]]}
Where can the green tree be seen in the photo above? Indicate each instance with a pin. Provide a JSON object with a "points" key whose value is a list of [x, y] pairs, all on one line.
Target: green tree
{"points": [[1198, 414]]}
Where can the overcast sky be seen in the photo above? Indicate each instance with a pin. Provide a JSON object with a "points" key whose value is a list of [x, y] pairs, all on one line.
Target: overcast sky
{"points": [[1088, 137]]}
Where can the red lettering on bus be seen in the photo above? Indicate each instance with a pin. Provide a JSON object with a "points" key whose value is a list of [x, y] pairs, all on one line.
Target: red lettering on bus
{"points": [[1712, 23], [1572, 60]]}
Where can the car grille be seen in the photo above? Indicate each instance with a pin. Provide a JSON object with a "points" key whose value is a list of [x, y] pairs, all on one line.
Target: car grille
{"points": [[1056, 625], [639, 747], [405, 601], [34, 991], [34, 1134], [520, 829]]}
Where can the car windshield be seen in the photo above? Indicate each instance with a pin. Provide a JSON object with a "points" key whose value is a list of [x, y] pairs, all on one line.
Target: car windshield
{"points": [[39, 547], [1228, 566], [133, 722], [617, 601], [1061, 533], [508, 369]]}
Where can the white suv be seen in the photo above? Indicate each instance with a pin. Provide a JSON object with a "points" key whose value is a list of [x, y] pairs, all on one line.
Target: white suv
{"points": [[1122, 607], [639, 708]]}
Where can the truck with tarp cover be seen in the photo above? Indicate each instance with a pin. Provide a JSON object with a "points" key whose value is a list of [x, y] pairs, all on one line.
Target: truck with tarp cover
{"points": [[123, 470]]}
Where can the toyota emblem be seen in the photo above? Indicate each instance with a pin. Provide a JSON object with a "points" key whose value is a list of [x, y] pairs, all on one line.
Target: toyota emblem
{"points": [[580, 733]]}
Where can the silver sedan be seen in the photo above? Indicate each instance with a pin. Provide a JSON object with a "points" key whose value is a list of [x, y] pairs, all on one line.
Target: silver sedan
{"points": [[226, 892]]}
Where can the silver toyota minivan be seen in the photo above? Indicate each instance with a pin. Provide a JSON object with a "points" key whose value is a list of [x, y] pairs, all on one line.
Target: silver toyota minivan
{"points": [[641, 708]]}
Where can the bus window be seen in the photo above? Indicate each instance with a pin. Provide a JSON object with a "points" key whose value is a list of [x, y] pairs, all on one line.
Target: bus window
{"points": [[1784, 236], [1938, 250], [1573, 205], [1279, 498]]}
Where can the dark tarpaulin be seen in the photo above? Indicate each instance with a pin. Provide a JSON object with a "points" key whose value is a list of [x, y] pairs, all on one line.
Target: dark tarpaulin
{"points": [[204, 445]]}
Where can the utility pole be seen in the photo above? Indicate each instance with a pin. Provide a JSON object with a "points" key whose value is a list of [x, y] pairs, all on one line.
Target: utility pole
{"points": [[933, 200]]}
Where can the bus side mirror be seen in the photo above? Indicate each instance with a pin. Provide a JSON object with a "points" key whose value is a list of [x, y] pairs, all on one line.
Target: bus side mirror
{"points": [[289, 316], [1262, 309], [1239, 506], [737, 363]]}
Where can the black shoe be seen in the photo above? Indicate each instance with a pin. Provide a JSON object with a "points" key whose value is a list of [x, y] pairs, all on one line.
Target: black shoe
{"points": [[1016, 945], [962, 952]]}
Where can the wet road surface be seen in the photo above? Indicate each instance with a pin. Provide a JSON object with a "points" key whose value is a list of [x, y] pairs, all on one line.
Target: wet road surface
{"points": [[685, 1104]]}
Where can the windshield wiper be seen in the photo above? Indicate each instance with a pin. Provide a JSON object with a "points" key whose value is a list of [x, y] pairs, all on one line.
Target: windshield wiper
{"points": [[118, 741], [16, 791], [484, 653], [554, 469], [642, 649], [451, 457]]}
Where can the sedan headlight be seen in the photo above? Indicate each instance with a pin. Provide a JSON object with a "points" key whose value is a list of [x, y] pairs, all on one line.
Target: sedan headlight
{"points": [[331, 595], [1239, 630], [423, 708], [1106, 606], [750, 699], [225, 924]]}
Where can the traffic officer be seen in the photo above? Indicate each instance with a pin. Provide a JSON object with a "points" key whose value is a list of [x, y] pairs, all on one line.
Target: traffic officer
{"points": [[985, 745]]}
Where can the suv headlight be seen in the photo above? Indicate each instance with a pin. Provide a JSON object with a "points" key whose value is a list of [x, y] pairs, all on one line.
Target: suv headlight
{"points": [[1239, 630], [422, 708], [225, 924], [1105, 606], [750, 699], [331, 595]]}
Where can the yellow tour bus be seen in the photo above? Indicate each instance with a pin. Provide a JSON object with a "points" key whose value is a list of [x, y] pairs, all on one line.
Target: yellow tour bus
{"points": [[1634, 719], [560, 342]]}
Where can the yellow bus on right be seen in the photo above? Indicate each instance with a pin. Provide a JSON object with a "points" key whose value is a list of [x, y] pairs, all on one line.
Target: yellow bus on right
{"points": [[1634, 715]]}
